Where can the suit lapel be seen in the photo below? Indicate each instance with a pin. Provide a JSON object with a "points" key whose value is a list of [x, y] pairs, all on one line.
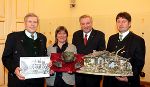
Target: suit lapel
{"points": [[81, 39], [128, 37], [127, 41]]}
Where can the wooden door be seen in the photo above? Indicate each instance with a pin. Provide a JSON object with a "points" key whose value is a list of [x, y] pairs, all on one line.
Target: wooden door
{"points": [[12, 13]]}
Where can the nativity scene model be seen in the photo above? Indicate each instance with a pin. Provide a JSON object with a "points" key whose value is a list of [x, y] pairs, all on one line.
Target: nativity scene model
{"points": [[106, 63]]}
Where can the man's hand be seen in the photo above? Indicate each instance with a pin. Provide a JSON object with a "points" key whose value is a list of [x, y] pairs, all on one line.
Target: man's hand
{"points": [[122, 78], [17, 72]]}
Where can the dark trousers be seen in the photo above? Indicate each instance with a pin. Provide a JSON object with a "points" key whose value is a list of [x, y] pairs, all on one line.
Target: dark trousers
{"points": [[111, 81], [13, 81], [87, 80]]}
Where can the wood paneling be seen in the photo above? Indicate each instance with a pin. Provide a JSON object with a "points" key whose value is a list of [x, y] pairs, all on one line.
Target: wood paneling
{"points": [[22, 7], [12, 13], [2, 8], [2, 28], [20, 26], [2, 77], [2, 33]]}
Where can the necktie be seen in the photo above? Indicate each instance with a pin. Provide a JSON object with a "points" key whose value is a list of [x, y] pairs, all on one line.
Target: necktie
{"points": [[32, 36], [85, 39], [120, 37]]}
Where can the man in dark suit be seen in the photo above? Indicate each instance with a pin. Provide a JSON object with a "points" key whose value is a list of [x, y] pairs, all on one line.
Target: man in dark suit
{"points": [[86, 40], [133, 48], [27, 43]]}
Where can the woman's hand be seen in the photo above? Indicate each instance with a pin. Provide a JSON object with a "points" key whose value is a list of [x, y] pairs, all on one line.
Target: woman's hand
{"points": [[51, 72], [50, 64], [70, 72], [17, 72]]}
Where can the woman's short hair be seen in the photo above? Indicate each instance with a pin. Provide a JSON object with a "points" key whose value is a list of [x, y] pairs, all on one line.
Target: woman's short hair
{"points": [[58, 29]]}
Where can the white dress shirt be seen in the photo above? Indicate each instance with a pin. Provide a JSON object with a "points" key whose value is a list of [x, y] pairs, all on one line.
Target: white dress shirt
{"points": [[29, 34], [124, 34], [88, 34]]}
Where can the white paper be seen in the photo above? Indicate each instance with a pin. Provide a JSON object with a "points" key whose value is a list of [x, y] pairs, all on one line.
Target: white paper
{"points": [[34, 67]]}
